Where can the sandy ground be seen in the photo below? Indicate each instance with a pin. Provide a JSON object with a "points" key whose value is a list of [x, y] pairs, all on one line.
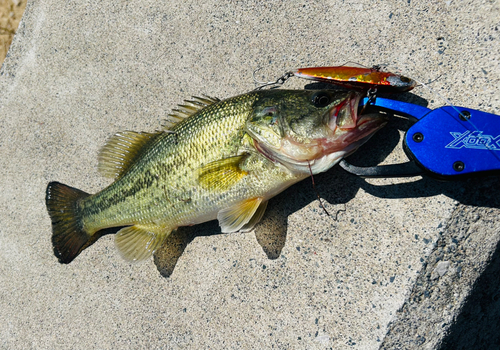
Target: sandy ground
{"points": [[10, 15]]}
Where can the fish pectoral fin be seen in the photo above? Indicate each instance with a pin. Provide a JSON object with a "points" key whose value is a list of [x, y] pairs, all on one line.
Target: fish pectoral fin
{"points": [[255, 218], [139, 242], [222, 174], [121, 151], [234, 218]]}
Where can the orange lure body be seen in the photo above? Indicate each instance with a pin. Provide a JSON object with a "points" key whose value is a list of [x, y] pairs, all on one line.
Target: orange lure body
{"points": [[358, 78]]}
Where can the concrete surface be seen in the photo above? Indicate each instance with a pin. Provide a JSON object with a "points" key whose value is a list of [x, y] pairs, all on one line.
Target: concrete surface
{"points": [[401, 264]]}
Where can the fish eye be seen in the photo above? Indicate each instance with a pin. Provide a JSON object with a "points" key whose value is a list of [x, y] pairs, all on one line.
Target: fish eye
{"points": [[269, 114], [321, 99], [405, 79]]}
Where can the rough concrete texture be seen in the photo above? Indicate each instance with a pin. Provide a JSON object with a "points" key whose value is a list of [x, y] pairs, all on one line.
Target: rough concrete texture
{"points": [[399, 264]]}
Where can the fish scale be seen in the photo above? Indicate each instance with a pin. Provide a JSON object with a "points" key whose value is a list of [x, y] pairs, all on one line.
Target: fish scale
{"points": [[174, 158]]}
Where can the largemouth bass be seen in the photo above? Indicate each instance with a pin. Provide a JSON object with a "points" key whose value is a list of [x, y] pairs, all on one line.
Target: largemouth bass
{"points": [[223, 160]]}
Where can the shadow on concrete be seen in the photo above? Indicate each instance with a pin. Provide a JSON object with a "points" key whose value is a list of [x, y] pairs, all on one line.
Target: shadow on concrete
{"points": [[406, 97], [469, 192], [478, 324]]}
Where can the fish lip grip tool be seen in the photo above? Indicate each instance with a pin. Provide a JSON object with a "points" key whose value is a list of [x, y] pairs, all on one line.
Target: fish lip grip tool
{"points": [[447, 143]]}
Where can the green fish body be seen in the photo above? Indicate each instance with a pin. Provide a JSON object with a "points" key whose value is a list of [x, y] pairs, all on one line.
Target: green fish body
{"points": [[224, 160]]}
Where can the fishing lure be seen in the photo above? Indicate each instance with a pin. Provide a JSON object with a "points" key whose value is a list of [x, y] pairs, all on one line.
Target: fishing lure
{"points": [[357, 78]]}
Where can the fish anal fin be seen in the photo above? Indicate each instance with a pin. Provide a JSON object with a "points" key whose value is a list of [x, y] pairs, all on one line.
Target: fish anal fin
{"points": [[121, 151], [139, 242], [234, 218], [222, 174], [255, 218]]}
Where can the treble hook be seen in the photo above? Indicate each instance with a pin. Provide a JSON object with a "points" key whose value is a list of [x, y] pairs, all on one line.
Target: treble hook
{"points": [[280, 81]]}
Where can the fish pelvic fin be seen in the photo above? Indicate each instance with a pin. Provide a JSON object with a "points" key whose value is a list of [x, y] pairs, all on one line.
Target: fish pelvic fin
{"points": [[121, 151], [255, 218], [68, 235], [235, 218], [139, 242]]}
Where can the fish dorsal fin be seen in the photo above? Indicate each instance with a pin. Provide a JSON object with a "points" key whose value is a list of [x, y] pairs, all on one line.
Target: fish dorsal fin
{"points": [[138, 242], [121, 151], [234, 218], [222, 174], [188, 109]]}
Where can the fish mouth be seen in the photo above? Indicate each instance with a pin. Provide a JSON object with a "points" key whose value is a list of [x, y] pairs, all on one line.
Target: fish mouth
{"points": [[349, 124], [350, 116], [346, 128], [345, 114]]}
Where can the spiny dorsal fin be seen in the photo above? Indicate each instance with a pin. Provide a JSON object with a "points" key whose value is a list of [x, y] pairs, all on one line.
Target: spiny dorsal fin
{"points": [[121, 151], [234, 218], [206, 100], [186, 110], [222, 174], [136, 243]]}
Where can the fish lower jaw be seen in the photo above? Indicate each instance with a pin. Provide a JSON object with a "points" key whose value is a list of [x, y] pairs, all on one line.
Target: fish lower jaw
{"points": [[318, 165], [326, 162], [306, 162]]}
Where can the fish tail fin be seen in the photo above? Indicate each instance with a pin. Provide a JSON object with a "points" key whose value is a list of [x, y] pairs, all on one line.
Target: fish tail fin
{"points": [[68, 236]]}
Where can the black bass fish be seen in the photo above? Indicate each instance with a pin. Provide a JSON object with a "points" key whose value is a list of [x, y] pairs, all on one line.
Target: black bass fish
{"points": [[223, 160]]}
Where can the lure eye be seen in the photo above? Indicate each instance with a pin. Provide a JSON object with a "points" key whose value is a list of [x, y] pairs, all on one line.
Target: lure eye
{"points": [[405, 79], [321, 99]]}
